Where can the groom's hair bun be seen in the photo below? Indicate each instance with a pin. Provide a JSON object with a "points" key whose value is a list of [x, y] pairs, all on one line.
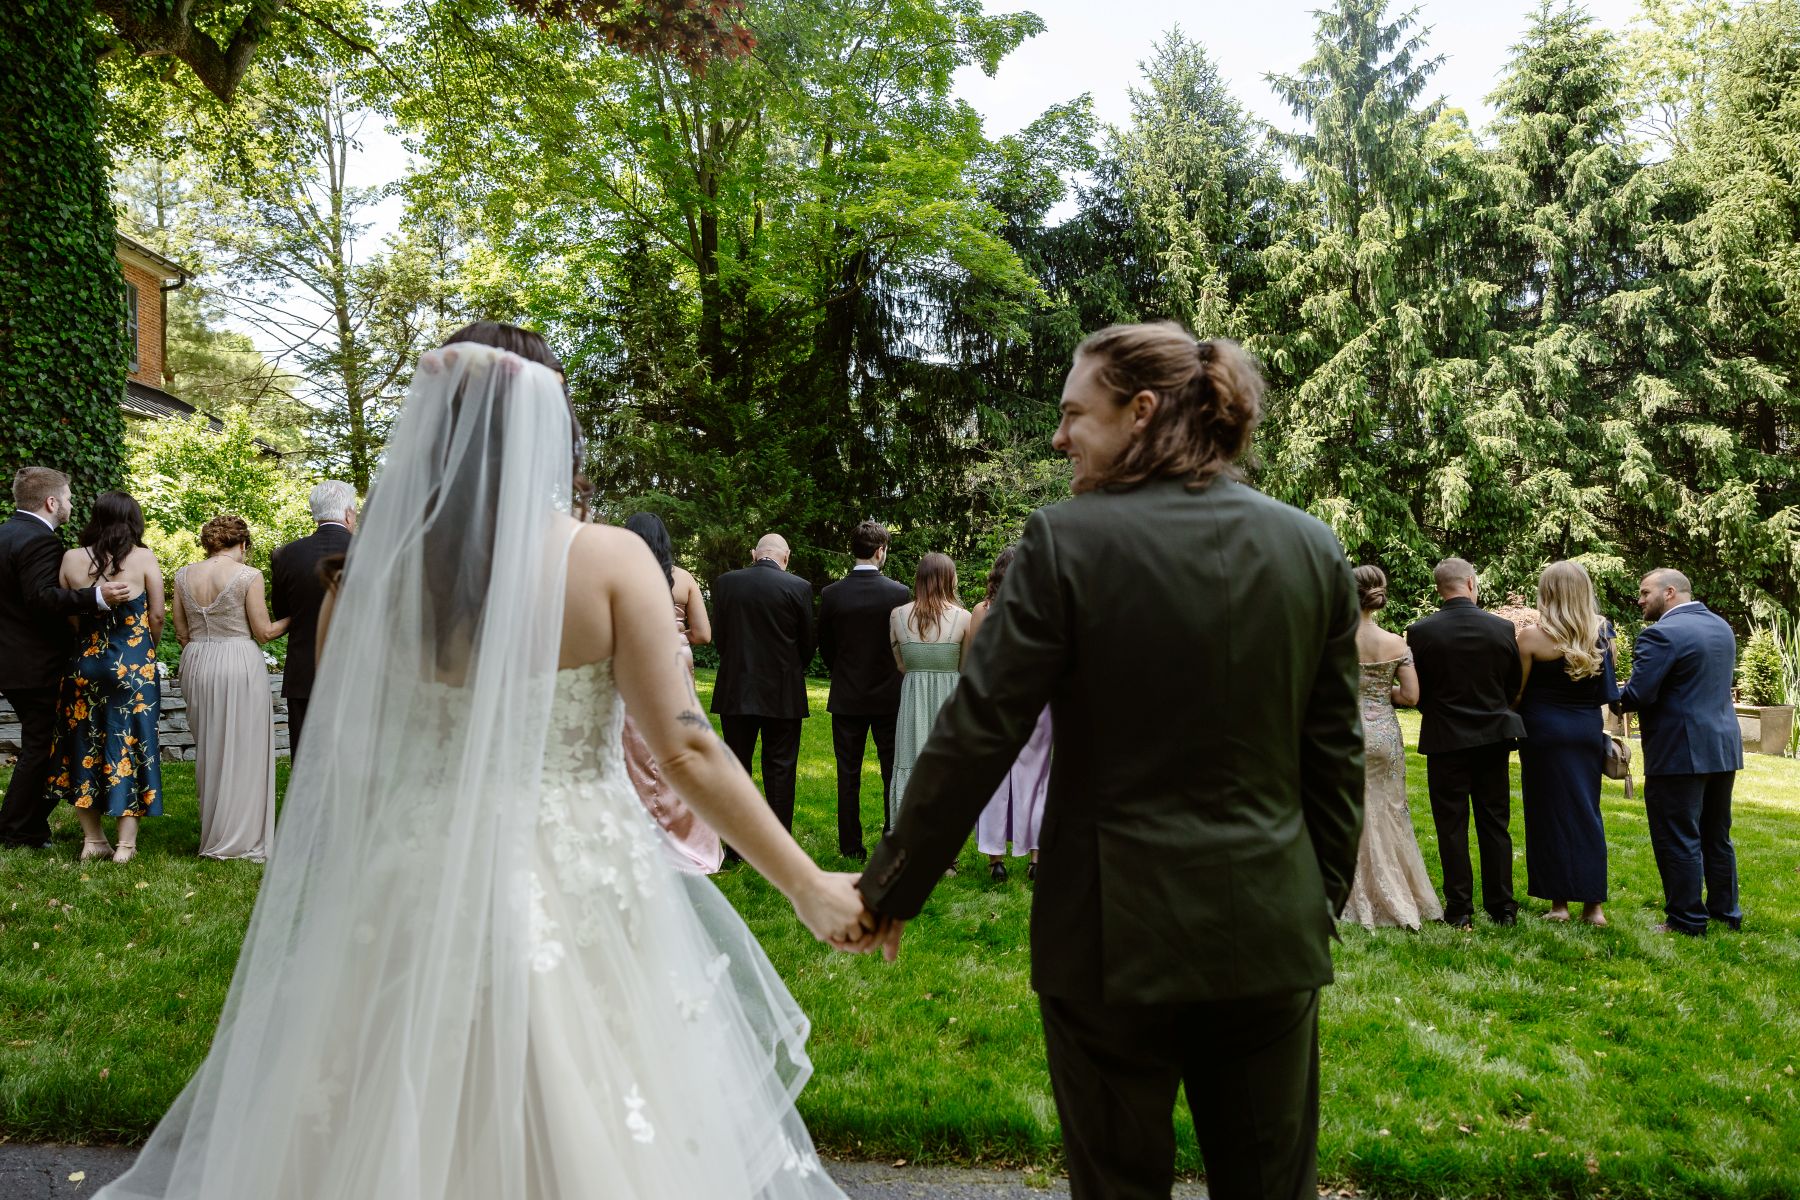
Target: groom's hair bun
{"points": [[1371, 588], [1209, 401]]}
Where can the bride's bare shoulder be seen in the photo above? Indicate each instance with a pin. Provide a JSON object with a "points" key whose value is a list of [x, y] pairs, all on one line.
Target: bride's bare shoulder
{"points": [[601, 552]]}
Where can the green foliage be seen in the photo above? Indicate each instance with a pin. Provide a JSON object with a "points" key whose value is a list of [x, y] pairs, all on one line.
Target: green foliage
{"points": [[63, 354], [1760, 679], [184, 474]]}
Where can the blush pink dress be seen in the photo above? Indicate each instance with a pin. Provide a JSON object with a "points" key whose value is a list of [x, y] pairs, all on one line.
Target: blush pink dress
{"points": [[692, 845]]}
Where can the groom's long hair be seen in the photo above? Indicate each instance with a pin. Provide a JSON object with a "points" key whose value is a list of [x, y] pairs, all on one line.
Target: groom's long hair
{"points": [[1209, 401]]}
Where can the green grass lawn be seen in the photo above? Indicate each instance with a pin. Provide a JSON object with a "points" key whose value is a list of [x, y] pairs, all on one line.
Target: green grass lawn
{"points": [[1540, 1060]]}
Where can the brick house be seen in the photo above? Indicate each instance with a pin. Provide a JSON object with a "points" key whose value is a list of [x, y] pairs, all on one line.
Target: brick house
{"points": [[149, 278]]}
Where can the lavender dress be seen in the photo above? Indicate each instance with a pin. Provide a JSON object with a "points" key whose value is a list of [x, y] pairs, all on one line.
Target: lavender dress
{"points": [[1016, 812]]}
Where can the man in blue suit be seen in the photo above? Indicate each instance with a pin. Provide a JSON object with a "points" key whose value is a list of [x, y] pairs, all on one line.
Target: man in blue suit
{"points": [[1681, 671]]}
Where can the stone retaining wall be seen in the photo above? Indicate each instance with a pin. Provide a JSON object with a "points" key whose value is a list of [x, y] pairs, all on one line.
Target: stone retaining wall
{"points": [[174, 739]]}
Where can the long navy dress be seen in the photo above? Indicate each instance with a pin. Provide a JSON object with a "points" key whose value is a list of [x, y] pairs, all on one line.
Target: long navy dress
{"points": [[1560, 764]]}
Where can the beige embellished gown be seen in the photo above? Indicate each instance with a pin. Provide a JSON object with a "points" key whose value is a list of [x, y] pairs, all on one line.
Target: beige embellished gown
{"points": [[1391, 885], [226, 685]]}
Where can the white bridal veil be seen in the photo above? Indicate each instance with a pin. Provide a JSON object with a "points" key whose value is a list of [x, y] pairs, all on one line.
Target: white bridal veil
{"points": [[378, 1016]]}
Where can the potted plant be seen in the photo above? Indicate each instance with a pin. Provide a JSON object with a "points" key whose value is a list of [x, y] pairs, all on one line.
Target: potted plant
{"points": [[1765, 709]]}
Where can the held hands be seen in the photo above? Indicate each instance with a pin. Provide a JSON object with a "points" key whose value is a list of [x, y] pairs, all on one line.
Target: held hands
{"points": [[833, 910]]}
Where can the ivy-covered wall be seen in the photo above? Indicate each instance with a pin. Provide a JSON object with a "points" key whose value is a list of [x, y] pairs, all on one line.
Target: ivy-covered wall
{"points": [[62, 340]]}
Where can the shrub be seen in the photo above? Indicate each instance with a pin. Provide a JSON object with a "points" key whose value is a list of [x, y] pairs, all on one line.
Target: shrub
{"points": [[1760, 678]]}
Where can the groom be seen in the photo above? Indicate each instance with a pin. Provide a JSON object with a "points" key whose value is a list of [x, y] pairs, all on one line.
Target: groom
{"points": [[1205, 800]]}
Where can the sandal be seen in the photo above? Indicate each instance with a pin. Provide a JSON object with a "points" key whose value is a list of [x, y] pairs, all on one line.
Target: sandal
{"points": [[123, 853], [997, 872], [93, 850]]}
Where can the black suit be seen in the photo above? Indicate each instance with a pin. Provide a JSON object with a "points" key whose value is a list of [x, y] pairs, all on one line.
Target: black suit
{"points": [[1469, 672], [1198, 653], [763, 625], [865, 689], [299, 591], [36, 644]]}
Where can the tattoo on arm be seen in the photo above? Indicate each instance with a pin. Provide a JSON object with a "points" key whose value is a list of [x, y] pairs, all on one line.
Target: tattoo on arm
{"points": [[696, 719]]}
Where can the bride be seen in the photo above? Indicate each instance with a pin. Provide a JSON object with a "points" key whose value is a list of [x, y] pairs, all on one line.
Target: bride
{"points": [[471, 971]]}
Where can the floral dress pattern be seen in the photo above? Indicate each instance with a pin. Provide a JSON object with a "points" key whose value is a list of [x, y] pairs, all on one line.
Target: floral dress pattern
{"points": [[105, 752]]}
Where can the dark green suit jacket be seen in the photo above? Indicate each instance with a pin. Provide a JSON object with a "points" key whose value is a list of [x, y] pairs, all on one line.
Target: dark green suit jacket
{"points": [[1198, 652]]}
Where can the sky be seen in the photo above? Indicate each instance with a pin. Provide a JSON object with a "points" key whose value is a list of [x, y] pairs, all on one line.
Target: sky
{"points": [[1096, 46]]}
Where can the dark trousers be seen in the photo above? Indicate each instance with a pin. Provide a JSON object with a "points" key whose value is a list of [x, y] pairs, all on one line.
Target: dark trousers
{"points": [[849, 739], [1252, 1073], [25, 817], [1690, 833], [1460, 781], [296, 722], [780, 756]]}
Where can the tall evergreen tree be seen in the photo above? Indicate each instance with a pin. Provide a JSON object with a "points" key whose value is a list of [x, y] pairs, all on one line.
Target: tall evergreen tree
{"points": [[1371, 330], [1568, 206], [1708, 430]]}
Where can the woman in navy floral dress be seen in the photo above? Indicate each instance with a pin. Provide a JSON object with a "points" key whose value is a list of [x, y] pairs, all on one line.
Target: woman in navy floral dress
{"points": [[106, 759]]}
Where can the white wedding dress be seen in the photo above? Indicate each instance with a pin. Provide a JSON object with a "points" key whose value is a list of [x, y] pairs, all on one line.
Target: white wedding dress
{"points": [[473, 972], [665, 1051]]}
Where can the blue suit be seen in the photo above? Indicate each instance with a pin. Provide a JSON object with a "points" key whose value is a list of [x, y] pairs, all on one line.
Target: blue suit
{"points": [[1681, 675]]}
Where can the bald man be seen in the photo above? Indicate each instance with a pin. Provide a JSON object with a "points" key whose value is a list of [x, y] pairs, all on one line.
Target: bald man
{"points": [[763, 625], [1681, 673]]}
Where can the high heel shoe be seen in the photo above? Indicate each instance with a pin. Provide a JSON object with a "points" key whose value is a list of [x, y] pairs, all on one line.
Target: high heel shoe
{"points": [[124, 854], [93, 850], [997, 872], [1031, 871]]}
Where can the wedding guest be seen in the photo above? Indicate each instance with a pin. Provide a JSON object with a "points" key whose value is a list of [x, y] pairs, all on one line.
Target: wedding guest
{"points": [[1468, 665], [1681, 673], [298, 589], [692, 845], [865, 684], [36, 642], [1567, 663], [1016, 813], [1391, 886], [1197, 643], [221, 619], [106, 759], [926, 635], [763, 619]]}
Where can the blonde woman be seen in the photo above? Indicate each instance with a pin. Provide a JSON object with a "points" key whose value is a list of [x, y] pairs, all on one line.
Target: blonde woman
{"points": [[1568, 678]]}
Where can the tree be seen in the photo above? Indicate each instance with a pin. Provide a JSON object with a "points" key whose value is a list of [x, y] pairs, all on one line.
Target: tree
{"points": [[1200, 186], [751, 265], [1707, 427], [1568, 207], [1371, 329], [63, 353], [184, 474]]}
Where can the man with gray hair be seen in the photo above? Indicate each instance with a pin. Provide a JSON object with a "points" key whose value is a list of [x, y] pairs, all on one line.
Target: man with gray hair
{"points": [[1681, 673], [299, 590], [763, 625]]}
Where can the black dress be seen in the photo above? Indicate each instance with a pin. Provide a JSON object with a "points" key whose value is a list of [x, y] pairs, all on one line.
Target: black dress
{"points": [[1560, 764]]}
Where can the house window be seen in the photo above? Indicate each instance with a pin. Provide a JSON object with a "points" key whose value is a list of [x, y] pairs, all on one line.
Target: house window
{"points": [[131, 323]]}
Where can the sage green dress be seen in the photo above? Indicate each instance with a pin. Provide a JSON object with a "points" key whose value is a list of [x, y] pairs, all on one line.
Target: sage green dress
{"points": [[931, 675]]}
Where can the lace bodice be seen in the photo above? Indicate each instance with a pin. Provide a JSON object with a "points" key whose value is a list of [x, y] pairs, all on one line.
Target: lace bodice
{"points": [[225, 616]]}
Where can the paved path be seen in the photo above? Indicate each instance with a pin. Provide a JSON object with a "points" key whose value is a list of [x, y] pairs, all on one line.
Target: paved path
{"points": [[34, 1172]]}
